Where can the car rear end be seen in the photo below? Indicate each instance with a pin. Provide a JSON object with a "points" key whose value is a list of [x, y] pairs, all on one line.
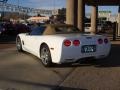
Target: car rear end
{"points": [[85, 46]]}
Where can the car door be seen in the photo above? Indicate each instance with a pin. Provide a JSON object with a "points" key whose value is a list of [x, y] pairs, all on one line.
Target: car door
{"points": [[32, 39], [27, 42]]}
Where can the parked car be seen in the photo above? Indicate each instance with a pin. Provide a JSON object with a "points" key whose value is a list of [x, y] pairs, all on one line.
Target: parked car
{"points": [[87, 27], [1, 29], [21, 28], [62, 44], [6, 29], [100, 28]]}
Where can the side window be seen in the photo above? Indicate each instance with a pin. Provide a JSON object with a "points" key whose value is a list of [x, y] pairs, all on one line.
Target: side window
{"points": [[37, 30]]}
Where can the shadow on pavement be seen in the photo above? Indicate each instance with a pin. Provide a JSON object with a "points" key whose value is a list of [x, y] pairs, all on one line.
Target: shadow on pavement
{"points": [[112, 61], [39, 85]]}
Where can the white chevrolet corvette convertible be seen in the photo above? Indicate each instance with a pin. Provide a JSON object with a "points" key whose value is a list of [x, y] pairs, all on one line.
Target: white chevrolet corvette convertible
{"points": [[62, 44]]}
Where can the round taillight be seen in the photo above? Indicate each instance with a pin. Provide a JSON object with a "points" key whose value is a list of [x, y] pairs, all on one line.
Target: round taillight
{"points": [[100, 41], [67, 43], [76, 42], [105, 40]]}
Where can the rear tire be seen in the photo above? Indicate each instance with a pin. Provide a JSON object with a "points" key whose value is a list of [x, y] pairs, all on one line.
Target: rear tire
{"points": [[19, 44], [45, 55]]}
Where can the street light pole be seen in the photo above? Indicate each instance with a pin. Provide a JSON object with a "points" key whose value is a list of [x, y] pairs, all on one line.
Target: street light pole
{"points": [[119, 21], [54, 4], [18, 7], [18, 3], [3, 2]]}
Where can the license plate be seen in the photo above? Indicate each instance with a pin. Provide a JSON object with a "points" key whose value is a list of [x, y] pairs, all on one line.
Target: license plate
{"points": [[88, 48]]}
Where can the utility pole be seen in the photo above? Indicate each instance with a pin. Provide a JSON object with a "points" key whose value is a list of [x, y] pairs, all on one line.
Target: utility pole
{"points": [[119, 21], [3, 4], [18, 7]]}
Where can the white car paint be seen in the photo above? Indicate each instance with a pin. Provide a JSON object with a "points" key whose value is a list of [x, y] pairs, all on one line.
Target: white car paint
{"points": [[59, 52]]}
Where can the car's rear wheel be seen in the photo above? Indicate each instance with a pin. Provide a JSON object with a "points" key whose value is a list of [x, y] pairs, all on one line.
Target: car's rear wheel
{"points": [[45, 55], [19, 44]]}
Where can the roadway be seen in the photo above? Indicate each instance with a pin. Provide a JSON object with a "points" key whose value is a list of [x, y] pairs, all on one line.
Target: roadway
{"points": [[23, 71]]}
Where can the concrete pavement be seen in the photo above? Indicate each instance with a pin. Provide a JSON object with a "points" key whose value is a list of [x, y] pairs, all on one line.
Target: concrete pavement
{"points": [[23, 71]]}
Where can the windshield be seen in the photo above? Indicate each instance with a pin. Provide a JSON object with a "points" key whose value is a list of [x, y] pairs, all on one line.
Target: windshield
{"points": [[37, 30]]}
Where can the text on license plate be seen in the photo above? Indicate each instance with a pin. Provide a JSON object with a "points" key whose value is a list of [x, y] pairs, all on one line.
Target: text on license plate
{"points": [[88, 48]]}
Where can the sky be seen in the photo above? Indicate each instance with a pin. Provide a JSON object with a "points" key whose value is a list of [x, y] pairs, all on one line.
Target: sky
{"points": [[55, 4]]}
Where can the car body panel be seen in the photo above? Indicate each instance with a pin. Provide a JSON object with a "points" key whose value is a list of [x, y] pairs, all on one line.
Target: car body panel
{"points": [[62, 54]]}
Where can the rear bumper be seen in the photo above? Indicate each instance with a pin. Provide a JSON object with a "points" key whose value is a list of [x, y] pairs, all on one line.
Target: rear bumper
{"points": [[74, 59], [75, 54]]}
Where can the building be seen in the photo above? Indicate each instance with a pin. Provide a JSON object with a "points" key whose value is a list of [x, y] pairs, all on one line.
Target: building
{"points": [[105, 16], [38, 19], [114, 18]]}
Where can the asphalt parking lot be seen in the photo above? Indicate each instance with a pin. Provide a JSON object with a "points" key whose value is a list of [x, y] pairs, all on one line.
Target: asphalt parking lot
{"points": [[23, 71]]}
